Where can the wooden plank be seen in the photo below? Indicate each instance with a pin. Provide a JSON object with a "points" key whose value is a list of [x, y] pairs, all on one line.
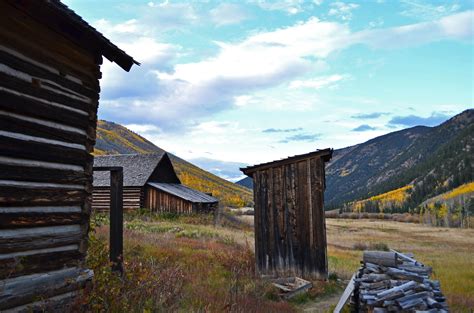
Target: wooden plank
{"points": [[405, 257], [21, 64], [270, 224], [29, 89], [264, 221], [22, 219], [38, 174], [278, 211], [293, 244], [345, 295], [12, 124], [116, 219], [14, 196], [258, 223], [15, 102], [27, 149], [380, 258], [25, 289], [319, 228], [23, 239], [302, 217], [39, 262], [63, 302]]}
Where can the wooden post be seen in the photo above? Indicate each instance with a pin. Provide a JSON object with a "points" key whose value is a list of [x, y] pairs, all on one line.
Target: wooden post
{"points": [[116, 216], [116, 219]]}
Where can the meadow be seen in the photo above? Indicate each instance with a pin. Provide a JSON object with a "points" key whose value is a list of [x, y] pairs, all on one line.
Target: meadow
{"points": [[186, 264], [450, 251]]}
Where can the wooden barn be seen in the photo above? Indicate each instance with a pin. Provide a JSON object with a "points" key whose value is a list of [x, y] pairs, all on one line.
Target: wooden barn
{"points": [[49, 92], [290, 229], [149, 181]]}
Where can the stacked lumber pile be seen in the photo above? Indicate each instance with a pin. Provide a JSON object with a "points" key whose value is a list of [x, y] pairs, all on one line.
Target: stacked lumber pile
{"points": [[395, 282]]}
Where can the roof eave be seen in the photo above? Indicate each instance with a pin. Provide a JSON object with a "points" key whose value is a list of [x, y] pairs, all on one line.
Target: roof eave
{"points": [[61, 19], [325, 154]]}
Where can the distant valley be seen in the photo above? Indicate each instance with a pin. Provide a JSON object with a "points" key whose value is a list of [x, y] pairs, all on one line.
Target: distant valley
{"points": [[413, 165]]}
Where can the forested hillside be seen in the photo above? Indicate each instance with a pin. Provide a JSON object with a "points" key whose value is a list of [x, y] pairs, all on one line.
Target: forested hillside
{"points": [[425, 161], [113, 138]]}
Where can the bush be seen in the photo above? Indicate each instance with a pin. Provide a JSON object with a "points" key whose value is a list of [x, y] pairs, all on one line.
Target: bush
{"points": [[145, 286], [359, 246], [381, 246]]}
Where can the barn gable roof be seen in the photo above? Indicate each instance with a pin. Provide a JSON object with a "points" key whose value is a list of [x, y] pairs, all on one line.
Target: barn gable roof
{"points": [[65, 21], [325, 154], [137, 168], [184, 192]]}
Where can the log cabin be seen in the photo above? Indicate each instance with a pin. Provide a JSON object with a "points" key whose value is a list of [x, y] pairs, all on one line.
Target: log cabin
{"points": [[290, 228], [149, 182], [50, 62]]}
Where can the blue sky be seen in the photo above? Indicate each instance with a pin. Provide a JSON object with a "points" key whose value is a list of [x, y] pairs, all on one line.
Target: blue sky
{"points": [[254, 81]]}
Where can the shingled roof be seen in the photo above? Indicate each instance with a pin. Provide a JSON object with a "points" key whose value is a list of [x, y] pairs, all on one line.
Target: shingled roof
{"points": [[65, 21], [184, 192], [137, 168]]}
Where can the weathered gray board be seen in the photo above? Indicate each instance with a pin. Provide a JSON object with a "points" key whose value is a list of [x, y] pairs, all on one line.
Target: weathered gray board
{"points": [[290, 229]]}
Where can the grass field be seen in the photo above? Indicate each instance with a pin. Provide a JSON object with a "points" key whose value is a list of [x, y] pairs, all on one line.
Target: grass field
{"points": [[186, 264], [450, 251]]}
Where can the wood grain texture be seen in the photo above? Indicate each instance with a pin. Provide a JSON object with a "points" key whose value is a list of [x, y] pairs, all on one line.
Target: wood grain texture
{"points": [[290, 236], [25, 289], [28, 239]]}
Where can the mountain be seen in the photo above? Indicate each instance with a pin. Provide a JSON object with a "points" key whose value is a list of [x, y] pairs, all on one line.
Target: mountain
{"points": [[113, 138], [431, 160], [246, 182]]}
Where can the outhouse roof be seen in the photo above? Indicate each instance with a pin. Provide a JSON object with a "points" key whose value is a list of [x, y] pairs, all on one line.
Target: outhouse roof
{"points": [[325, 154]]}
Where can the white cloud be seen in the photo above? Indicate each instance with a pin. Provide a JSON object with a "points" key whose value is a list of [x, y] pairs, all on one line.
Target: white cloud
{"points": [[178, 95], [144, 128], [457, 26], [227, 14], [169, 15], [342, 10], [377, 23], [424, 10], [319, 82], [289, 6]]}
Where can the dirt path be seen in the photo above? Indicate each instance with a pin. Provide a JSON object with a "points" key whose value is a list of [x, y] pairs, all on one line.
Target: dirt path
{"points": [[323, 305]]}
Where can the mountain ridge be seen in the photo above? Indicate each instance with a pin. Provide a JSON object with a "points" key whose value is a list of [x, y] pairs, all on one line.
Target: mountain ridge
{"points": [[113, 138], [422, 156]]}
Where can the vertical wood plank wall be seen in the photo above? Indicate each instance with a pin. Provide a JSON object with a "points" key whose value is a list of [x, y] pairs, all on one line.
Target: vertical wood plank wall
{"points": [[49, 93], [290, 233], [162, 202]]}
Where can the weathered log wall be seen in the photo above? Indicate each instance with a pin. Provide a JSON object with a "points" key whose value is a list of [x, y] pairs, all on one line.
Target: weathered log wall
{"points": [[49, 93], [133, 198], [290, 234]]}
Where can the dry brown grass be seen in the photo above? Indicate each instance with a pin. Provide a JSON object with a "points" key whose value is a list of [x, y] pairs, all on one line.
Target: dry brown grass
{"points": [[173, 266], [450, 251]]}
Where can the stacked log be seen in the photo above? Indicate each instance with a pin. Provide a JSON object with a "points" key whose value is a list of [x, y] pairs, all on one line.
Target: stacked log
{"points": [[395, 282]]}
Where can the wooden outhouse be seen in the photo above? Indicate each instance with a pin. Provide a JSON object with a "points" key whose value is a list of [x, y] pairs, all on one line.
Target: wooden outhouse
{"points": [[290, 231], [49, 91], [149, 181]]}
